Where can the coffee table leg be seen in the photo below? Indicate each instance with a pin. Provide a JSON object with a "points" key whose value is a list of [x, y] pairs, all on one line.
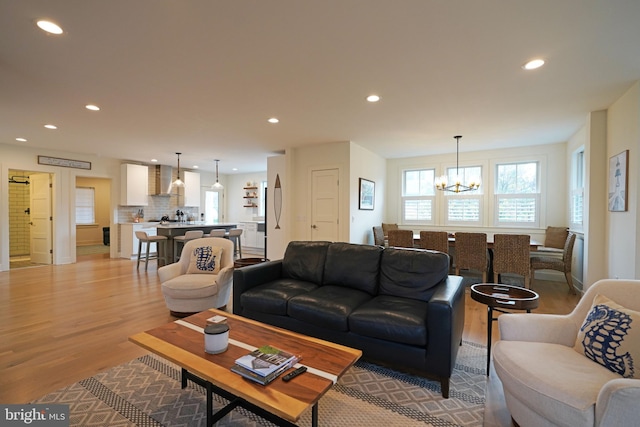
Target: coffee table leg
{"points": [[489, 323], [314, 415]]}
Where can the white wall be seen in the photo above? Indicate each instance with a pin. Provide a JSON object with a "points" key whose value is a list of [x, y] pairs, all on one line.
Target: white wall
{"points": [[63, 193], [623, 133], [554, 206], [368, 165], [236, 212]]}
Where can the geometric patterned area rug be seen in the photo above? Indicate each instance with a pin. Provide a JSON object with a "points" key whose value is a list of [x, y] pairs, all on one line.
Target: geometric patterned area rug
{"points": [[146, 392]]}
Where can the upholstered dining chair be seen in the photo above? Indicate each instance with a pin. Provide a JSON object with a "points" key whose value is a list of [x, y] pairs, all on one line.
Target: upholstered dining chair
{"points": [[471, 253], [553, 263], [378, 236], [435, 241], [401, 238], [511, 255]]}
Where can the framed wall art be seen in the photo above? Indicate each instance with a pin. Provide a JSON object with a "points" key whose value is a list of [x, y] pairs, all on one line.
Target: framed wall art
{"points": [[618, 181], [367, 194]]}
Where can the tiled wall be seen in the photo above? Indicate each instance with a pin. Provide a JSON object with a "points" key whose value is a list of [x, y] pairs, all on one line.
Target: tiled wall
{"points": [[19, 228]]}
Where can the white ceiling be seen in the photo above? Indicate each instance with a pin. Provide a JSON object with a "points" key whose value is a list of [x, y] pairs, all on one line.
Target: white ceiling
{"points": [[203, 76]]}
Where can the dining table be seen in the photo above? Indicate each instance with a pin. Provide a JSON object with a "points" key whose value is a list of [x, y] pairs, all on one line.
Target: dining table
{"points": [[533, 246]]}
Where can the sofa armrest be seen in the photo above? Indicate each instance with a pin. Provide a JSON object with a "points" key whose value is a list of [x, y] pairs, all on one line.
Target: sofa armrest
{"points": [[617, 403], [445, 322], [548, 328], [169, 271], [251, 276]]}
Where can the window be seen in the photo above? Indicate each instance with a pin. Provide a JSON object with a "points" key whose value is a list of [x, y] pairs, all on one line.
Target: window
{"points": [[212, 206], [85, 205], [517, 198], [577, 189], [464, 208], [418, 194]]}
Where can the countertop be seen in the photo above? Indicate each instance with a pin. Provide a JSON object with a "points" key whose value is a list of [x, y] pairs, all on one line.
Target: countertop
{"points": [[196, 224]]}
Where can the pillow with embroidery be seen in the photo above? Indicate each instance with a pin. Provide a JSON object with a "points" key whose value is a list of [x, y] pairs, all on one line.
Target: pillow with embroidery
{"points": [[205, 259], [610, 336]]}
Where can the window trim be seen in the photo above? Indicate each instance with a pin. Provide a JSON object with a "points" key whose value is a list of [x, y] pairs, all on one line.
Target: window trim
{"points": [[537, 195], [403, 198]]}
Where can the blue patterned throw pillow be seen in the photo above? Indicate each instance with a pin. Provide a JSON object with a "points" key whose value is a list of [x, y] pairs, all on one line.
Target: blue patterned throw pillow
{"points": [[205, 260], [610, 337]]}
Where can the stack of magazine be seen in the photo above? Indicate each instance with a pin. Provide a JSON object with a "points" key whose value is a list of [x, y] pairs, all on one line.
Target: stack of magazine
{"points": [[264, 364]]}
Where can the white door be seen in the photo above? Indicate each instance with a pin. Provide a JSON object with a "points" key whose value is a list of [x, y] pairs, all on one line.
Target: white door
{"points": [[40, 204], [325, 204]]}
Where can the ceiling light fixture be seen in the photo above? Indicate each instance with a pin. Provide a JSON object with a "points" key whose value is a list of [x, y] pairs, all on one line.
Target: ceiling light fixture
{"points": [[273, 120], [217, 185], [178, 183], [533, 64], [92, 107], [21, 139], [154, 160], [53, 127], [49, 27], [457, 186], [373, 98]]}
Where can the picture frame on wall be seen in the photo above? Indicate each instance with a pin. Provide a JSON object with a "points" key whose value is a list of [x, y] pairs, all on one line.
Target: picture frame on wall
{"points": [[367, 194], [618, 182]]}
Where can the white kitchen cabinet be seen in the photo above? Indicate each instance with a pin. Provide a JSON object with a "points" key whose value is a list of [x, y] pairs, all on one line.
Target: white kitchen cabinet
{"points": [[128, 240], [191, 189], [249, 235], [134, 185], [260, 240]]}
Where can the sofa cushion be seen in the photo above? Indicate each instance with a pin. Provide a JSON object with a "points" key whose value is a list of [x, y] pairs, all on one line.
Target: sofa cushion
{"points": [[205, 260], [412, 273], [353, 266], [305, 261], [391, 318], [559, 383], [327, 306], [273, 297], [610, 336], [191, 286]]}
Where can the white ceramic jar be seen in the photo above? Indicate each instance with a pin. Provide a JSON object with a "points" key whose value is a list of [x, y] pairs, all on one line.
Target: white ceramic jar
{"points": [[216, 338]]}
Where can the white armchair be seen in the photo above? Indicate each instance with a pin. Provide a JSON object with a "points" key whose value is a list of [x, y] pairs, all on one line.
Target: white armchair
{"points": [[186, 292], [546, 382]]}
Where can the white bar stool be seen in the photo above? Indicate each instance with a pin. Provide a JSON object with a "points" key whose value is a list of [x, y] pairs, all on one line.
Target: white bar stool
{"points": [[180, 240], [234, 235], [217, 232], [161, 248]]}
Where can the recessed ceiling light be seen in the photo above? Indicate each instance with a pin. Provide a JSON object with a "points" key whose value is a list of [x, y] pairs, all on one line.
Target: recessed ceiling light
{"points": [[533, 64], [195, 166], [21, 139], [49, 27], [234, 169], [273, 120], [51, 126], [373, 98], [92, 107], [154, 160]]}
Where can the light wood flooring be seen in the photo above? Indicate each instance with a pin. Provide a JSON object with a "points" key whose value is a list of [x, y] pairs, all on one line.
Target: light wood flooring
{"points": [[60, 324]]}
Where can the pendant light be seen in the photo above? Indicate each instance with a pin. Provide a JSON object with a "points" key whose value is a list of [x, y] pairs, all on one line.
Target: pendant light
{"points": [[217, 185], [457, 186], [178, 183]]}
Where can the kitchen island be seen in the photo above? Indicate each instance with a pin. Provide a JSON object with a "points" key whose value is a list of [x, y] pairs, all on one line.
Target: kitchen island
{"points": [[174, 229]]}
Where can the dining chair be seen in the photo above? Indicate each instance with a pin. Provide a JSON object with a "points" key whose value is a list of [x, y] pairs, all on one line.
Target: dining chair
{"points": [[511, 255], [553, 263], [180, 240], [435, 241], [386, 227], [378, 236], [401, 238], [471, 253]]}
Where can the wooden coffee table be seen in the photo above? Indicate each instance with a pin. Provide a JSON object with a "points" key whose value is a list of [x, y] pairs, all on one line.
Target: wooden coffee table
{"points": [[499, 297], [283, 403]]}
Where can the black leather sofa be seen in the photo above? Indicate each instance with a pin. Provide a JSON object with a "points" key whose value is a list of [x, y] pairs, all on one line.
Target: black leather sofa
{"points": [[399, 306]]}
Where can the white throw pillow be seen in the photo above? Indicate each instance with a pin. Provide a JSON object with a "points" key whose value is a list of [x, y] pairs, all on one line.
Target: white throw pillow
{"points": [[205, 260]]}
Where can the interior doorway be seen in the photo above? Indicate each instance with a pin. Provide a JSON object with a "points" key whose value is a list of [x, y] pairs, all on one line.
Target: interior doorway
{"points": [[92, 213], [29, 208]]}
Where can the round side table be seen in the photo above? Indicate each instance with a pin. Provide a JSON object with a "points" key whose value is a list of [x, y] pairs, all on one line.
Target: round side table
{"points": [[499, 297]]}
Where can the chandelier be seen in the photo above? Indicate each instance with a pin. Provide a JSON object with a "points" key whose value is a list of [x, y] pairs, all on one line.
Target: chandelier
{"points": [[456, 186]]}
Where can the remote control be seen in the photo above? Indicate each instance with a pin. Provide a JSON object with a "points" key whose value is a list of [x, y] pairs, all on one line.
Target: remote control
{"points": [[291, 375]]}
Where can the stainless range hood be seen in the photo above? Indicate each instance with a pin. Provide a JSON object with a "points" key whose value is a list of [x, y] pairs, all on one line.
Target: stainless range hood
{"points": [[163, 180]]}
